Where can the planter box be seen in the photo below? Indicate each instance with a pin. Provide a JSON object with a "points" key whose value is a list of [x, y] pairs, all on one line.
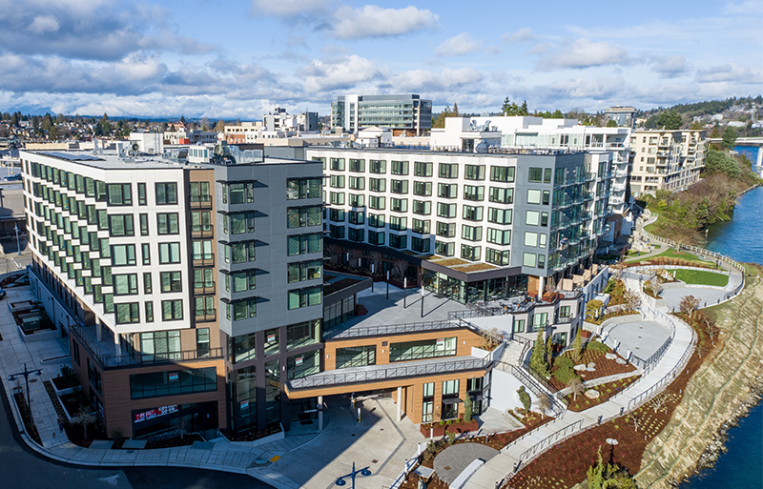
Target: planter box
{"points": [[440, 430], [65, 391]]}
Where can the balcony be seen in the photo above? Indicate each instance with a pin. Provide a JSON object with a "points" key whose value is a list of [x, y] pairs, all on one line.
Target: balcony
{"points": [[391, 329]]}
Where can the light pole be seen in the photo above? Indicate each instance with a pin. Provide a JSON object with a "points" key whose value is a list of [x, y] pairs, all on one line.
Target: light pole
{"points": [[18, 244], [364, 472], [26, 373]]}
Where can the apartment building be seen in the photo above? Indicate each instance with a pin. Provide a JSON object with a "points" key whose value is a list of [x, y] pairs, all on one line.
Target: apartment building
{"points": [[537, 133], [666, 160], [623, 116], [180, 287], [406, 114]]}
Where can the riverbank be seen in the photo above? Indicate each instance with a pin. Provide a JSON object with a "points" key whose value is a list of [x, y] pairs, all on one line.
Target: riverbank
{"points": [[723, 388]]}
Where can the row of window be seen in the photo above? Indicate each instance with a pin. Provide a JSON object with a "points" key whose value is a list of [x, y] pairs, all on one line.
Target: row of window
{"points": [[423, 189], [422, 169]]}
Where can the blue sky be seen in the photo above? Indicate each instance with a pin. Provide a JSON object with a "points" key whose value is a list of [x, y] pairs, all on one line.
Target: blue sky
{"points": [[240, 58]]}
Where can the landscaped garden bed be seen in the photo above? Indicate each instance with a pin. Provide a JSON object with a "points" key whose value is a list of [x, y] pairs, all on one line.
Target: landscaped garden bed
{"points": [[67, 382], [26, 416], [450, 426], [604, 392], [596, 355]]}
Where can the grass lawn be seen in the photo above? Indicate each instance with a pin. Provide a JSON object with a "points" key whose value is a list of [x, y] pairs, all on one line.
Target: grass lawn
{"points": [[700, 277], [673, 254]]}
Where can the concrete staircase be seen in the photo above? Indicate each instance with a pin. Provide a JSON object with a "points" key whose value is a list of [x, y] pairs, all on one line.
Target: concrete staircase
{"points": [[512, 355]]}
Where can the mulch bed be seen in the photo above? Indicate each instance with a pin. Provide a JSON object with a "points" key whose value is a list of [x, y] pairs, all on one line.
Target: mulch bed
{"points": [[252, 434], [31, 429], [566, 464], [606, 391], [604, 368], [62, 383], [497, 441]]}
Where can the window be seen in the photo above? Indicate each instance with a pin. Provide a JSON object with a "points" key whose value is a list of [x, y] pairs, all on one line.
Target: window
{"points": [[377, 184], [447, 191], [519, 326], [337, 164], [397, 242], [499, 216], [144, 224], [397, 223], [166, 193], [336, 215], [547, 174], [498, 236], [471, 233], [376, 238], [337, 181], [470, 252], [303, 244], [336, 198], [398, 205], [172, 310], [243, 309], [240, 252], [202, 278], [502, 174], [356, 217], [141, 194], [421, 169], [417, 350], [377, 166], [422, 188], [119, 194], [299, 272], [241, 222], [146, 254], [160, 345], [419, 226], [204, 308], [201, 221], [564, 312], [202, 342], [200, 192], [122, 255], [147, 283], [399, 186], [125, 284], [357, 200], [304, 297], [358, 183], [167, 223], [157, 384], [474, 193], [171, 281], [241, 281], [376, 220], [356, 235], [121, 225], [531, 239], [357, 165], [376, 202], [446, 230], [420, 245], [533, 196], [169, 253], [297, 217], [302, 334], [448, 170], [532, 218], [355, 356], [474, 172], [496, 257], [336, 232], [127, 313], [446, 210], [529, 260], [422, 207], [472, 213], [535, 175], [303, 188]]}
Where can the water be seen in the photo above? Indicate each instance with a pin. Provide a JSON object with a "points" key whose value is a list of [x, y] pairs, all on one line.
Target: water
{"points": [[742, 465]]}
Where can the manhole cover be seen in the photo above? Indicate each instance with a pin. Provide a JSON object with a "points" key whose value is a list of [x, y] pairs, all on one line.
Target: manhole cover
{"points": [[447, 467], [33, 380], [352, 434]]}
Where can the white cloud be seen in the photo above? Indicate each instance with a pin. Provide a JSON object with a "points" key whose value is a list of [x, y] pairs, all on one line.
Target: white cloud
{"points": [[586, 88], [750, 7], [524, 34], [670, 66], [288, 8], [730, 72], [42, 24], [458, 45], [374, 21], [583, 53], [424, 80], [339, 73]]}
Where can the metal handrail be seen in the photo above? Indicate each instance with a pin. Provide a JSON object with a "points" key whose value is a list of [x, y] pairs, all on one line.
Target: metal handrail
{"points": [[539, 388], [392, 329], [381, 374]]}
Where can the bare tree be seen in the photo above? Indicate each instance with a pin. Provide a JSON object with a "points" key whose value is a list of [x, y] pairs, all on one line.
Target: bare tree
{"points": [[635, 421], [543, 403], [86, 418], [659, 401], [576, 386], [333, 251], [631, 300], [688, 304], [376, 257], [399, 267], [356, 255], [491, 338], [183, 428]]}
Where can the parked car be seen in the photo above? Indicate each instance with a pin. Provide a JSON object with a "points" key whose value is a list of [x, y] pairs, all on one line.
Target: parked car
{"points": [[2, 294], [12, 178]]}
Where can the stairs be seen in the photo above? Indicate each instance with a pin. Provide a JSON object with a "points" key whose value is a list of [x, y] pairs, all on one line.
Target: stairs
{"points": [[512, 355]]}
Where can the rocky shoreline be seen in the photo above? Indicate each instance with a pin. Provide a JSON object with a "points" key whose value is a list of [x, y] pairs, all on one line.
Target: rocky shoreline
{"points": [[718, 446]]}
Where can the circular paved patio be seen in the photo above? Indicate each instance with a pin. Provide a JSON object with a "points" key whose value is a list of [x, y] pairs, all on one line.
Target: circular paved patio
{"points": [[643, 338], [453, 460]]}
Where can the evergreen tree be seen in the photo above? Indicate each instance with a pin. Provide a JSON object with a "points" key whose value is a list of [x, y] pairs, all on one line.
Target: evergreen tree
{"points": [[729, 137], [611, 123], [549, 352], [455, 110], [538, 357], [577, 345], [670, 119], [557, 114], [524, 110]]}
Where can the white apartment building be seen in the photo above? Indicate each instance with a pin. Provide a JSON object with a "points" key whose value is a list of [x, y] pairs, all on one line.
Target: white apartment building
{"points": [[525, 132], [666, 160]]}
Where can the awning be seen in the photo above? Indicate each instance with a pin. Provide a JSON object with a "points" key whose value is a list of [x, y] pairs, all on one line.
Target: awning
{"points": [[451, 400]]}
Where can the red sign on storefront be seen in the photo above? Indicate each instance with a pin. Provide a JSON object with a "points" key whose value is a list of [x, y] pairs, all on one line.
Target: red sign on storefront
{"points": [[155, 413]]}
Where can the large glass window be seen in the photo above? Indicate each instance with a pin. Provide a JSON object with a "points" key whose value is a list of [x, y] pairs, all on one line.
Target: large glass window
{"points": [[355, 356], [297, 217], [303, 334], [242, 348], [171, 281], [121, 225], [299, 272], [272, 341], [303, 244], [166, 193], [200, 192], [169, 253], [167, 223], [448, 170], [502, 174], [122, 255], [241, 222], [119, 194], [243, 309], [157, 384], [499, 216], [422, 169], [474, 172], [417, 350], [172, 310], [127, 313], [299, 366], [125, 284], [303, 188], [305, 297]]}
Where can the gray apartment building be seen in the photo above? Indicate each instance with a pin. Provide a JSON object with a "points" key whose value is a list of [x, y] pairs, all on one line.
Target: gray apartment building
{"points": [[406, 114]]}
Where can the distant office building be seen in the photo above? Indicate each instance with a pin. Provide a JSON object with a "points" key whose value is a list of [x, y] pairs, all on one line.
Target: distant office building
{"points": [[666, 160], [406, 114], [623, 116]]}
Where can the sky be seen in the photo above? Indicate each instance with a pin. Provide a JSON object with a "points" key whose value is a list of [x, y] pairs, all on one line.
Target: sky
{"points": [[241, 58]]}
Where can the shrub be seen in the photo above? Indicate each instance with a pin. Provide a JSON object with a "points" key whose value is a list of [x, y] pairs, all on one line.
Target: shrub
{"points": [[524, 398], [564, 375], [563, 361], [598, 347]]}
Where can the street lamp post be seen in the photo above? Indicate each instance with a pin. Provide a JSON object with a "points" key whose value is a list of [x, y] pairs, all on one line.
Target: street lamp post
{"points": [[18, 244], [364, 472], [26, 374]]}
